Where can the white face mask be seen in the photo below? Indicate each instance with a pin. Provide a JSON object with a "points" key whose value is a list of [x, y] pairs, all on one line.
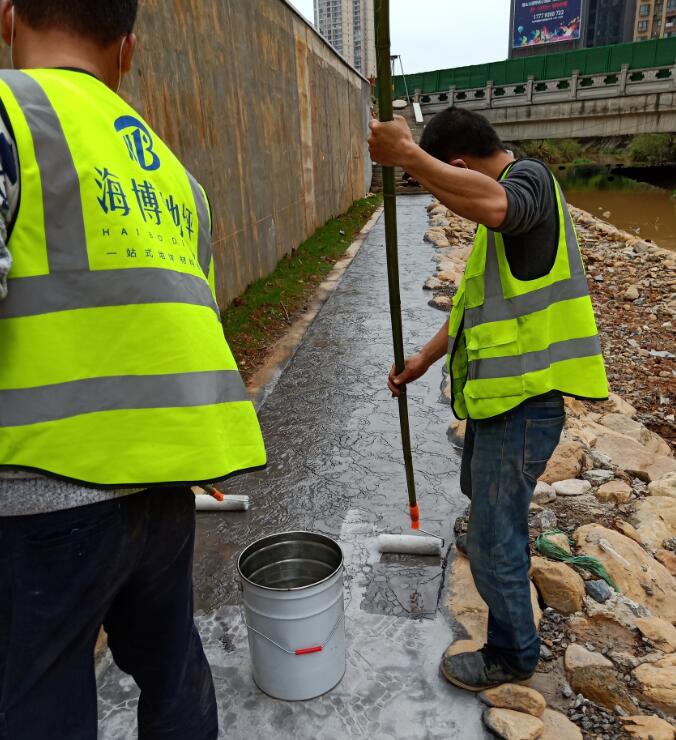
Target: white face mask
{"points": [[119, 79], [11, 43]]}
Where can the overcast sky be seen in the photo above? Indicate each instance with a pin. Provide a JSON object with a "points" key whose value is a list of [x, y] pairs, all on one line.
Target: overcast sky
{"points": [[436, 34]]}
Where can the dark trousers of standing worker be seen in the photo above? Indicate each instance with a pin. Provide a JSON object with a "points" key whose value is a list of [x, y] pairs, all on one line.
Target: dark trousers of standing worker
{"points": [[502, 459], [124, 564]]}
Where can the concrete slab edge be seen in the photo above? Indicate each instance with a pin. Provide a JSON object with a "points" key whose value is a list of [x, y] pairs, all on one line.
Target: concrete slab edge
{"points": [[265, 378]]}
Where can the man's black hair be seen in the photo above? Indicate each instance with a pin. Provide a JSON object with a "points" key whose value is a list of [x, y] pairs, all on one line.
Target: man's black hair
{"points": [[456, 132], [104, 21]]}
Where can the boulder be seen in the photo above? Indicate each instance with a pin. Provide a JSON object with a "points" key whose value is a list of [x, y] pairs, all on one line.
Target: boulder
{"points": [[442, 302], [560, 586], [603, 631], [456, 432], [658, 445], [614, 492], [560, 540], [648, 727], [566, 462], [657, 683], [432, 283], [667, 559], [594, 676], [617, 405], [599, 590], [437, 236], [627, 426], [545, 520], [598, 476], [660, 633], [558, 727], [627, 530], [579, 657], [572, 487], [655, 520], [665, 486], [449, 276], [467, 606], [631, 293], [511, 725], [463, 646], [516, 697], [574, 407], [544, 493], [630, 455], [638, 576]]}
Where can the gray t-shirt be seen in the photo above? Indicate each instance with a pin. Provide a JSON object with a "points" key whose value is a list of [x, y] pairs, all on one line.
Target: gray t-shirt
{"points": [[531, 228]]}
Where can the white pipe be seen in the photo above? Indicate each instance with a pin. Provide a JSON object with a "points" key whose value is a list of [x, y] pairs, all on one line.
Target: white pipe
{"points": [[205, 502], [409, 544]]}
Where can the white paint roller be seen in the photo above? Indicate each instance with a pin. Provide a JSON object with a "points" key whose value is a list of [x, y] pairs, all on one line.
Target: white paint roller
{"points": [[207, 501], [409, 544]]}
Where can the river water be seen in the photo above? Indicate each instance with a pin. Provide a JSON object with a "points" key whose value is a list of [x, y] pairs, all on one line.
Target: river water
{"points": [[637, 207]]}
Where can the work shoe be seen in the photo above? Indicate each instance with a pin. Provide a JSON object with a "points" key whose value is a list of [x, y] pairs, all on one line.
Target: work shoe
{"points": [[479, 670]]}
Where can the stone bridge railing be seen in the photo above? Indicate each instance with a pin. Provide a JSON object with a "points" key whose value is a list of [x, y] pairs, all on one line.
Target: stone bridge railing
{"points": [[577, 87]]}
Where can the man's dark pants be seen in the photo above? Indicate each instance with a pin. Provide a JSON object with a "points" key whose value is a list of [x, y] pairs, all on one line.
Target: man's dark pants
{"points": [[502, 460], [126, 565]]}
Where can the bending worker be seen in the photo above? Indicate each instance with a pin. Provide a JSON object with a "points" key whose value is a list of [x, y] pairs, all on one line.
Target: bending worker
{"points": [[522, 335], [117, 388]]}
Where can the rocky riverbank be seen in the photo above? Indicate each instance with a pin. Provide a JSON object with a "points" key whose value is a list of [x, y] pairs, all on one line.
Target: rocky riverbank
{"points": [[608, 667]]}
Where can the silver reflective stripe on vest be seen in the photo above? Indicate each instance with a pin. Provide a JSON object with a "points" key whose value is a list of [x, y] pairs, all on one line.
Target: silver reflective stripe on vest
{"points": [[43, 294], [70, 284], [93, 395], [498, 308], [64, 221], [530, 362], [204, 240]]}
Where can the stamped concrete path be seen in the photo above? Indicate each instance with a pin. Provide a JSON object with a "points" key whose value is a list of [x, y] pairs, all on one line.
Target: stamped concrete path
{"points": [[335, 468]]}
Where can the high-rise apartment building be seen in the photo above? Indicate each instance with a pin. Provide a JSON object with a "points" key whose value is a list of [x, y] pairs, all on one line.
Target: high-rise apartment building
{"points": [[609, 22], [655, 19], [348, 25]]}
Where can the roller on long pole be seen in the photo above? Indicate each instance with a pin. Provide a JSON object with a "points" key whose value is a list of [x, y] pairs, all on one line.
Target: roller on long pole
{"points": [[382, 22]]}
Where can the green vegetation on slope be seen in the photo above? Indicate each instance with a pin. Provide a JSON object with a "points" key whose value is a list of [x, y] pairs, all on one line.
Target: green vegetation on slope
{"points": [[256, 320]]}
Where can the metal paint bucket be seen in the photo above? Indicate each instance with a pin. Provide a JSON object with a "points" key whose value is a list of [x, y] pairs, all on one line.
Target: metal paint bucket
{"points": [[292, 593]]}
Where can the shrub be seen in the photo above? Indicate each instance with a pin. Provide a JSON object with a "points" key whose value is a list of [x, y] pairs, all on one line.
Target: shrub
{"points": [[653, 148]]}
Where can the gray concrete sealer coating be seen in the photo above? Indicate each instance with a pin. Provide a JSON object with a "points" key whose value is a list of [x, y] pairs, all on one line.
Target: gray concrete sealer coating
{"points": [[336, 468]]}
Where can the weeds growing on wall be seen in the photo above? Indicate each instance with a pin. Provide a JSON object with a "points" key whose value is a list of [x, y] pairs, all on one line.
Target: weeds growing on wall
{"points": [[257, 319]]}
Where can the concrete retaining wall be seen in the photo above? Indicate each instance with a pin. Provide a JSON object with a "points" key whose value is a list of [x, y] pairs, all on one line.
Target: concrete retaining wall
{"points": [[263, 112]]}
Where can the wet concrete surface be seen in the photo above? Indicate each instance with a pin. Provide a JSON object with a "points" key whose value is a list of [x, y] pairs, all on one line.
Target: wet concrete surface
{"points": [[335, 467]]}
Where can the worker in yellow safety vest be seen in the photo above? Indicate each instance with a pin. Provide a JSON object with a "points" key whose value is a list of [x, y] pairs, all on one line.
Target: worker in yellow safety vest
{"points": [[521, 336], [117, 388]]}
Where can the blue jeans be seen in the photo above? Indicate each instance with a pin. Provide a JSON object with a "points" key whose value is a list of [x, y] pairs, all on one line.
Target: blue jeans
{"points": [[502, 459], [126, 564]]}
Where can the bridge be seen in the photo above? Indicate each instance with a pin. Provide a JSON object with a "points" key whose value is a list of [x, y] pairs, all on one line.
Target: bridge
{"points": [[602, 92]]}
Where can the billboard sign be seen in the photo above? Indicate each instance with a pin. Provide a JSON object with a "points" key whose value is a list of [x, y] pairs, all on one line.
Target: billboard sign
{"points": [[546, 22]]}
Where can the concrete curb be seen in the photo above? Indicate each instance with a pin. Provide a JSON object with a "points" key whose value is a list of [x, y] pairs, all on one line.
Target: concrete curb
{"points": [[265, 378]]}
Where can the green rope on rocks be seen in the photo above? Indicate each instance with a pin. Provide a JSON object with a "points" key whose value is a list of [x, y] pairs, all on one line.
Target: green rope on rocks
{"points": [[551, 550]]}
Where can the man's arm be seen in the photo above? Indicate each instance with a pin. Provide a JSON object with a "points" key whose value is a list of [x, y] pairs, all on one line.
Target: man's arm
{"points": [[471, 195], [9, 198], [417, 365]]}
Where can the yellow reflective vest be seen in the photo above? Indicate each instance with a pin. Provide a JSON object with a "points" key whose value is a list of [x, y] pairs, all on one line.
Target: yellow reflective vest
{"points": [[511, 340], [113, 366]]}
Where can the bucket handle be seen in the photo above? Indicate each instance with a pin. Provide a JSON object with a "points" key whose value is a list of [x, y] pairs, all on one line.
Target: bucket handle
{"points": [[299, 651]]}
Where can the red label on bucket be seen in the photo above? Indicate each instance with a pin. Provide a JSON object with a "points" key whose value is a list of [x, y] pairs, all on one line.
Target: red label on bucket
{"points": [[307, 651]]}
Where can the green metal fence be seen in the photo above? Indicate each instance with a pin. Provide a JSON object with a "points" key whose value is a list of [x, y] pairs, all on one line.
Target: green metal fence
{"points": [[604, 59]]}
